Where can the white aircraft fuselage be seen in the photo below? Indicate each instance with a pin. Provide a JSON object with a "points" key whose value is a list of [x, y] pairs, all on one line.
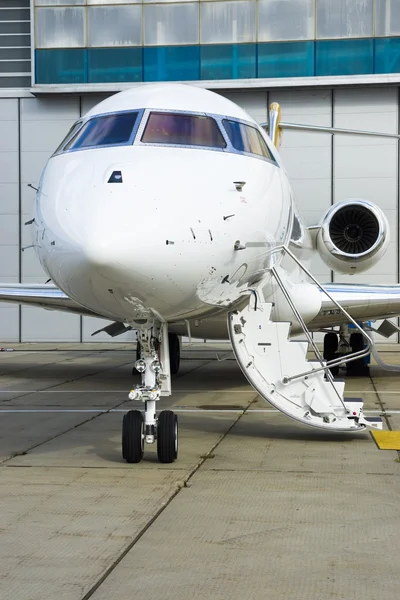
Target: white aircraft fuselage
{"points": [[166, 236]]}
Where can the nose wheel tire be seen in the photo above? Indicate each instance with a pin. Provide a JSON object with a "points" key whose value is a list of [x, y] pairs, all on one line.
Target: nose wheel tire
{"points": [[133, 436], [167, 436]]}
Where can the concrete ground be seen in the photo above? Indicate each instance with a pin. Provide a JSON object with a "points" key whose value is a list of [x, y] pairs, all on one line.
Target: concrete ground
{"points": [[255, 507]]}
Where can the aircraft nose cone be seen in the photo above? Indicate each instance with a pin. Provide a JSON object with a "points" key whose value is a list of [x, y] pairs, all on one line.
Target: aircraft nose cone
{"points": [[98, 252]]}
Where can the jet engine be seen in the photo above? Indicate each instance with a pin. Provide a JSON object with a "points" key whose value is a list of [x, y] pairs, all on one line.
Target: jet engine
{"points": [[353, 236]]}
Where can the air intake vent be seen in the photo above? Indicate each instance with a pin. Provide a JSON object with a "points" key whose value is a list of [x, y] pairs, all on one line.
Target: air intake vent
{"points": [[354, 229]]}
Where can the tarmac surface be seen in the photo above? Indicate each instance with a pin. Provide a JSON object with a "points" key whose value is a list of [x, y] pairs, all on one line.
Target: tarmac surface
{"points": [[256, 506]]}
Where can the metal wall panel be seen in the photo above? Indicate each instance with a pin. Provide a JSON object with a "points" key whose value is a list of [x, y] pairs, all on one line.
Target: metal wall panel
{"points": [[368, 167], [308, 156], [44, 122], [9, 213], [254, 102]]}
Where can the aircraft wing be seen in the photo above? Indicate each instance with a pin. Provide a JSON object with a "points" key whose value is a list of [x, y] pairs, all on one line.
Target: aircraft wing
{"points": [[44, 296], [363, 302]]}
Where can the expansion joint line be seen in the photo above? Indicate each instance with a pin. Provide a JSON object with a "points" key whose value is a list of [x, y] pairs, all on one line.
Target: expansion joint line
{"points": [[160, 511]]}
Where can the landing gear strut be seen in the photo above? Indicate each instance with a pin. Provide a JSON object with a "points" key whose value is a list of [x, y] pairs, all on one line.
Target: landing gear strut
{"points": [[154, 367], [174, 353]]}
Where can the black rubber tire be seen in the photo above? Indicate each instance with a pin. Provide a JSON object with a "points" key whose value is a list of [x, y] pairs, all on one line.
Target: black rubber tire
{"points": [[357, 367], [331, 344], [133, 436], [174, 352], [167, 436]]}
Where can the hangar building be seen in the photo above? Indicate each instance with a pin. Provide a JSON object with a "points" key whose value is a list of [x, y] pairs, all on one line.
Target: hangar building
{"points": [[328, 62]]}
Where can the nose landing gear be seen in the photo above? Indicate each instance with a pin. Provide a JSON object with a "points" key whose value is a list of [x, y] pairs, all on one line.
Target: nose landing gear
{"points": [[174, 353], [154, 366]]}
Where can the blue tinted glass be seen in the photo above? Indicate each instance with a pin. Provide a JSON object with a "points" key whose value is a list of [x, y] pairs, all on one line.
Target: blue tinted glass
{"points": [[344, 57], [114, 64], [185, 130], [60, 66], [286, 59], [171, 63], [246, 138], [108, 130], [387, 55], [227, 61]]}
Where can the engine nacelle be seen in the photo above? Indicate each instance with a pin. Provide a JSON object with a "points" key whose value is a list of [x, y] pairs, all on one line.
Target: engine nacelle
{"points": [[353, 236]]}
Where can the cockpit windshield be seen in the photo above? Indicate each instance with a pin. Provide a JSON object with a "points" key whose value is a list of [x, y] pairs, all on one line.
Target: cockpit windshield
{"points": [[107, 130], [183, 130], [246, 138]]}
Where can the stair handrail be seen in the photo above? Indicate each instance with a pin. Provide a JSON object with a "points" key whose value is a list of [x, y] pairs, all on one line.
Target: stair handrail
{"points": [[336, 362]]}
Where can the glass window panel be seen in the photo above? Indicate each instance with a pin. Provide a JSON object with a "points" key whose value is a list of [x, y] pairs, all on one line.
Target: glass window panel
{"points": [[75, 127], [115, 26], [345, 18], [159, 1], [227, 61], [166, 24], [387, 17], [110, 2], [227, 22], [286, 59], [285, 20], [246, 138], [108, 65], [60, 27], [60, 66], [387, 55], [59, 2], [173, 63], [344, 57], [109, 130], [183, 130]]}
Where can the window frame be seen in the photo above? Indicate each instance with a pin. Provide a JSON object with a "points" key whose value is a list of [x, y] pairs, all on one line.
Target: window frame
{"points": [[84, 121], [141, 122], [188, 113], [271, 157]]}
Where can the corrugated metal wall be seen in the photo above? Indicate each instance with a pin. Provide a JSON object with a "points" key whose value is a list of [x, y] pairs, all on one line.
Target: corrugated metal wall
{"points": [[322, 170]]}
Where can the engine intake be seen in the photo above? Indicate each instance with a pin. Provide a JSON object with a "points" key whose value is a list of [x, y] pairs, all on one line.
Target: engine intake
{"points": [[353, 236]]}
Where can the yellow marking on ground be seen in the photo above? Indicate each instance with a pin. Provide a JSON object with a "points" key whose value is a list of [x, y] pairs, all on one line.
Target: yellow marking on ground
{"points": [[387, 440]]}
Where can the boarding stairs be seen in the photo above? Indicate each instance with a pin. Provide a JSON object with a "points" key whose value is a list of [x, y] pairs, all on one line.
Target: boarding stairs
{"points": [[277, 366]]}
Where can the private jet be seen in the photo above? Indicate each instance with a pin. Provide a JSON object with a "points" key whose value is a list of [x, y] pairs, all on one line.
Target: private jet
{"points": [[167, 210]]}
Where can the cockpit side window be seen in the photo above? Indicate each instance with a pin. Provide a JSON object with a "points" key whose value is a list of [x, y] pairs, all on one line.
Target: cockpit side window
{"points": [[182, 130], [106, 130], [75, 127], [246, 138]]}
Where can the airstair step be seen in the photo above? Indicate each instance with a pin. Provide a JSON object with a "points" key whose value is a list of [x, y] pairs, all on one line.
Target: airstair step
{"points": [[278, 369], [372, 422], [347, 400]]}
